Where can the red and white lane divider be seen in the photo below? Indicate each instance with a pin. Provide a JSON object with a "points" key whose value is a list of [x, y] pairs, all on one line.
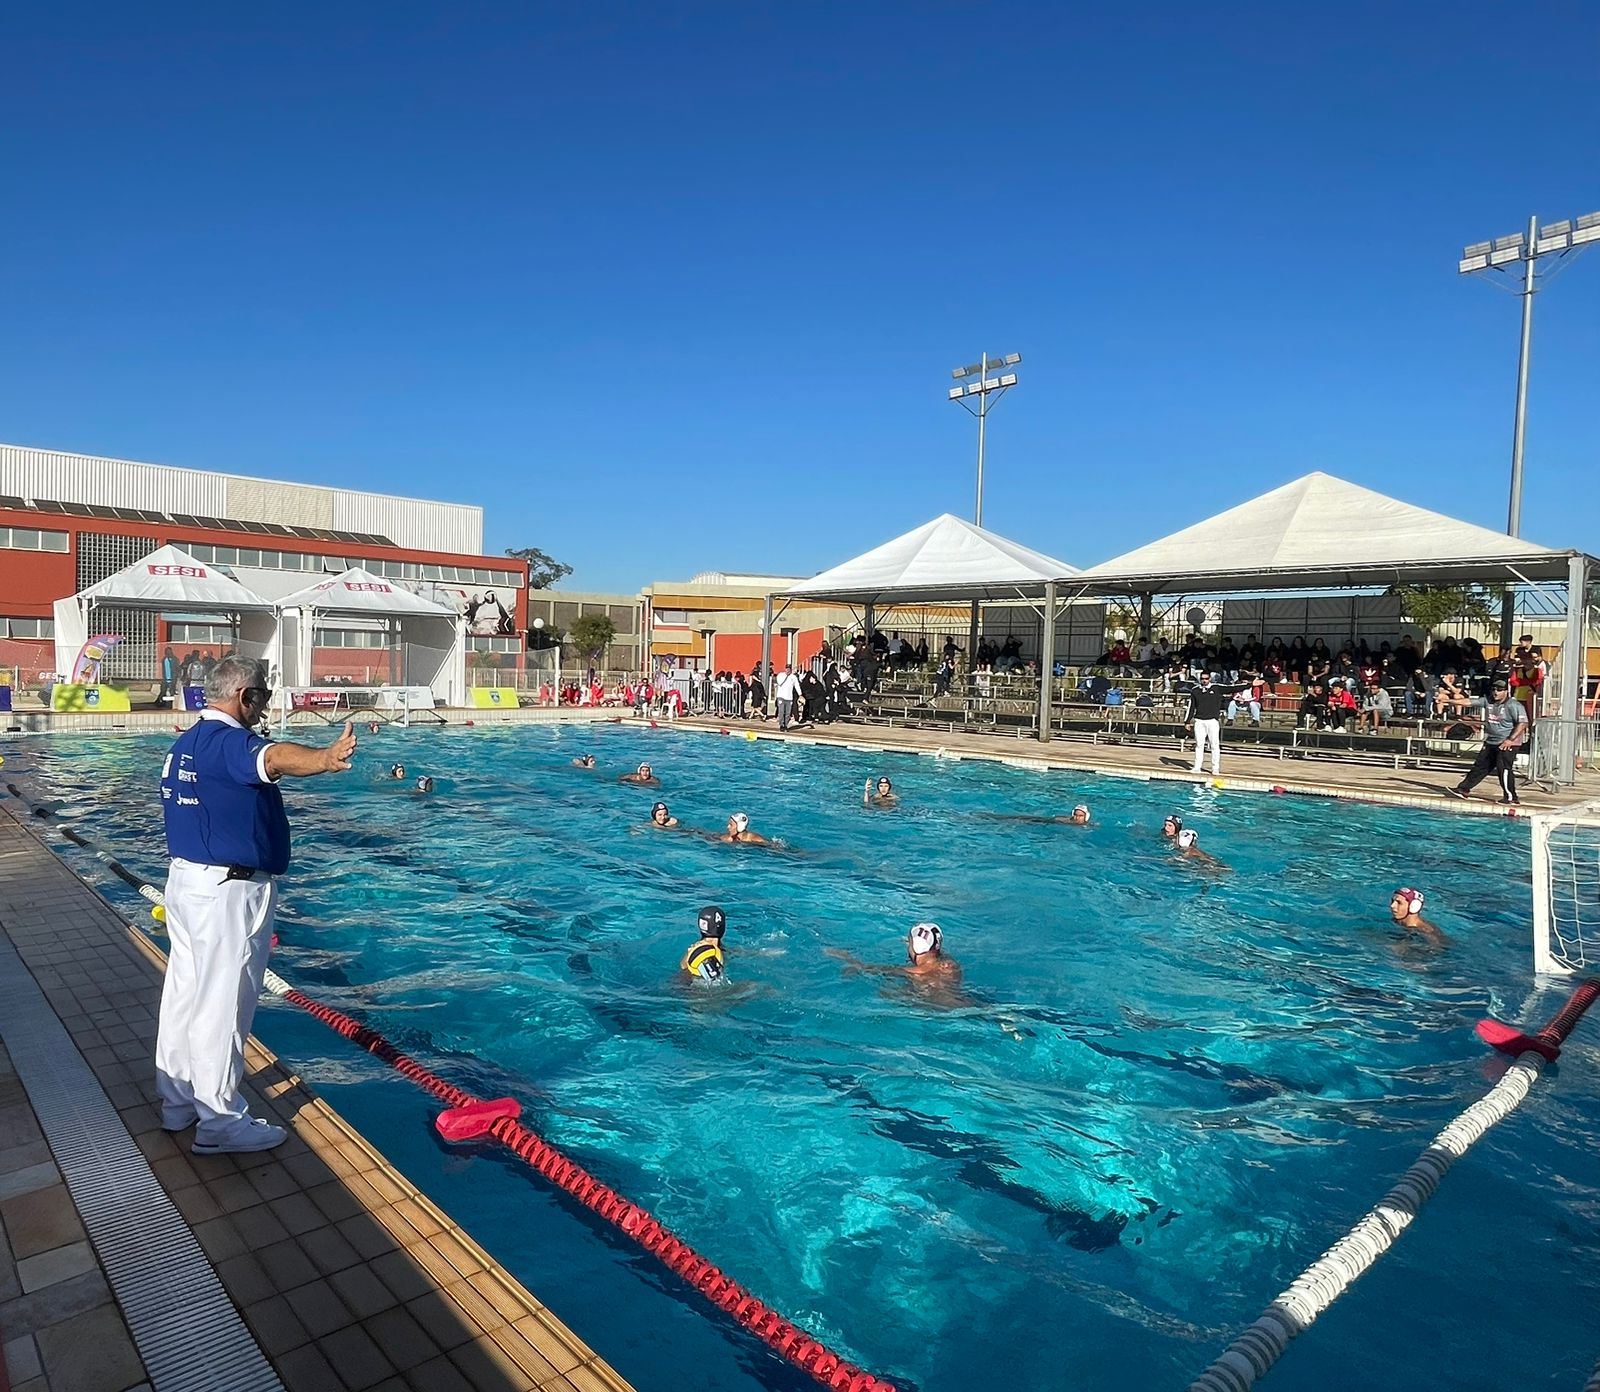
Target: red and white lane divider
{"points": [[467, 1118], [1253, 1353]]}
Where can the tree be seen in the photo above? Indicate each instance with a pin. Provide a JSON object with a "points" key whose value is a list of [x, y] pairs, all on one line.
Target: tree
{"points": [[1433, 606], [591, 634], [543, 570]]}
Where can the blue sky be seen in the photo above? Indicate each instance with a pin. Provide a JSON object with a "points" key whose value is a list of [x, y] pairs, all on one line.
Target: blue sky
{"points": [[675, 287]]}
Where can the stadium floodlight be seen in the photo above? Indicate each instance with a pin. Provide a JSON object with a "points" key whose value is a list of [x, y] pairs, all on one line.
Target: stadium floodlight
{"points": [[986, 390], [1559, 240]]}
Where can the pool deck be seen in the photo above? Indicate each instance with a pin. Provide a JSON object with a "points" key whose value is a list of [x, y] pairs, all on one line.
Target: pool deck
{"points": [[1245, 768], [335, 1272]]}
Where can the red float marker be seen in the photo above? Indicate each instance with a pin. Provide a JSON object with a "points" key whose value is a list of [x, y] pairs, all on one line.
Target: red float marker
{"points": [[1547, 1043], [473, 1119]]}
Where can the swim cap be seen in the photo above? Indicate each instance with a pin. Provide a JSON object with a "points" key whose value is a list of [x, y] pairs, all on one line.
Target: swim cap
{"points": [[660, 807], [1176, 820], [424, 784], [740, 821], [644, 768], [705, 961], [1413, 898], [1187, 837], [883, 779], [397, 770], [1081, 807], [713, 922], [924, 937]]}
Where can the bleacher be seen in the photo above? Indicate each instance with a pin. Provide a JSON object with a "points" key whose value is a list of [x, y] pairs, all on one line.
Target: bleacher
{"points": [[1149, 715]]}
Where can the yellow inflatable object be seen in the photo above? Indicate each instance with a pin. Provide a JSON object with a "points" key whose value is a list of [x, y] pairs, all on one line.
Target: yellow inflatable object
{"points": [[159, 914], [748, 734], [1218, 783]]}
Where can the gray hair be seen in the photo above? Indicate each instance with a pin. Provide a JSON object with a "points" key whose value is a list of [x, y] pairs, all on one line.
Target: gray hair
{"points": [[233, 675]]}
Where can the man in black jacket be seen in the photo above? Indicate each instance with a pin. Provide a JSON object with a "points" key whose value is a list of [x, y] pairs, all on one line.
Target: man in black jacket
{"points": [[1206, 704]]}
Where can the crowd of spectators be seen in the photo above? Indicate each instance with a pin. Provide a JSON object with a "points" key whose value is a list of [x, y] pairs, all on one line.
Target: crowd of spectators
{"points": [[1356, 686]]}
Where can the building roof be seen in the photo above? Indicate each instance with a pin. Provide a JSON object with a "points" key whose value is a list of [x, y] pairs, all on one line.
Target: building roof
{"points": [[1320, 532], [945, 559], [170, 578]]}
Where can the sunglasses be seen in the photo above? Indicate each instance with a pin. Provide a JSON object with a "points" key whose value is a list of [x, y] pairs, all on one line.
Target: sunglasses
{"points": [[263, 694]]}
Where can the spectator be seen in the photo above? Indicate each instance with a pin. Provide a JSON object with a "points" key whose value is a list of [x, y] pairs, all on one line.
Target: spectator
{"points": [[1376, 707], [1527, 674], [1314, 706], [1248, 695]]}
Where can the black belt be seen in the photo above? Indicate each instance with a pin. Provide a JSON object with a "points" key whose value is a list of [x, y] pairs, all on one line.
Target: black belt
{"points": [[241, 872]]}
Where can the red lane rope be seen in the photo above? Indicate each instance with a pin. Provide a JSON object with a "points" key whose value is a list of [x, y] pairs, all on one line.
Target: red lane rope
{"points": [[705, 1279]]}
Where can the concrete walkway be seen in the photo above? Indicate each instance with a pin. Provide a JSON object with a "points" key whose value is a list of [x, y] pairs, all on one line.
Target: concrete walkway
{"points": [[347, 1278], [1245, 767]]}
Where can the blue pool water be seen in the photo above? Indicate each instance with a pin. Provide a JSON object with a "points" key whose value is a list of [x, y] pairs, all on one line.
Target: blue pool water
{"points": [[1168, 1093]]}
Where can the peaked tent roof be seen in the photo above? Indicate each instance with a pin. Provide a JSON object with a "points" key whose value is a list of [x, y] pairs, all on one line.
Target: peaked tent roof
{"points": [[945, 559], [1320, 532], [360, 592], [170, 578]]}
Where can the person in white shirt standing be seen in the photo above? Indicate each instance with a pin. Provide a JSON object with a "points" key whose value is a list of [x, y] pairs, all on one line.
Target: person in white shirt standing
{"points": [[787, 691]]}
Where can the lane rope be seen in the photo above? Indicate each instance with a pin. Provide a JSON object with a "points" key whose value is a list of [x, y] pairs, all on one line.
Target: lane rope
{"points": [[1252, 1355], [708, 1281]]}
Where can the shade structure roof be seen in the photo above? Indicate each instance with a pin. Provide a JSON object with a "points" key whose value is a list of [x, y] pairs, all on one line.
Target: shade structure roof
{"points": [[1320, 532], [945, 559], [360, 593], [170, 578]]}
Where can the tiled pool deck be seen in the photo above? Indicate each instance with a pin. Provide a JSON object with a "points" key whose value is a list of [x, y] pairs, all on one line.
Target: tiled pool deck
{"points": [[345, 1275]]}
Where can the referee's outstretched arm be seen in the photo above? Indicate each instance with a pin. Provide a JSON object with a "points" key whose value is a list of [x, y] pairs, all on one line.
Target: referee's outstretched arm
{"points": [[305, 761]]}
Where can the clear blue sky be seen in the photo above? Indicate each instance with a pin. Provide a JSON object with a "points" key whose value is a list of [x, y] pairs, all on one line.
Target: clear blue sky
{"points": [[672, 287]]}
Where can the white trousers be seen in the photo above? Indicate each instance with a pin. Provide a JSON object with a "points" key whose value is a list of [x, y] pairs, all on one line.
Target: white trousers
{"points": [[220, 933], [1208, 730]]}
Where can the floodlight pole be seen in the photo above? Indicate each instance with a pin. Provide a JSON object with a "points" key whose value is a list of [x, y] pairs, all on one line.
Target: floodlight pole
{"points": [[1558, 239], [1508, 600], [984, 389]]}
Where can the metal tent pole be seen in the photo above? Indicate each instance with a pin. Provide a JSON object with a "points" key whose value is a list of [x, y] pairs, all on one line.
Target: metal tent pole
{"points": [[1047, 661]]}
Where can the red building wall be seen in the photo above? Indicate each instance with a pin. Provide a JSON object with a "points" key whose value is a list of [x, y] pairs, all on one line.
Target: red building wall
{"points": [[31, 581], [741, 652]]}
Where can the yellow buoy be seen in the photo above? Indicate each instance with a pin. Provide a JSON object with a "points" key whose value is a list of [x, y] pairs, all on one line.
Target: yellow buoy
{"points": [[750, 735], [159, 914], [1218, 783]]}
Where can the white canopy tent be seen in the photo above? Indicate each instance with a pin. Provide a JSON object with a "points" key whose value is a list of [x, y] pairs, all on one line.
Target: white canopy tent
{"points": [[947, 560], [168, 579], [944, 560], [1321, 533], [427, 641]]}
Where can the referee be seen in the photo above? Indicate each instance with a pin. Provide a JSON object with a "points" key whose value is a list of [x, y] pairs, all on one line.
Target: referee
{"points": [[228, 838]]}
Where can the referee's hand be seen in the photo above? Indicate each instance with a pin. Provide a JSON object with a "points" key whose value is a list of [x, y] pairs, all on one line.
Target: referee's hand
{"points": [[339, 753]]}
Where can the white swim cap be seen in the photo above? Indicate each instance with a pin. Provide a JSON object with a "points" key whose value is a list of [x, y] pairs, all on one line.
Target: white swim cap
{"points": [[740, 821], [1081, 807], [1187, 837], [924, 937]]}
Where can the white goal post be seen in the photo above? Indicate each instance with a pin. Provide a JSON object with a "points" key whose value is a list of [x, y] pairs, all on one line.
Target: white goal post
{"points": [[1566, 889]]}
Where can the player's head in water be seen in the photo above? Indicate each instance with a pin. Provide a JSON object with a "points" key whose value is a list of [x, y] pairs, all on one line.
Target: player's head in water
{"points": [[1188, 838], [924, 942], [424, 784], [1405, 903], [705, 959], [662, 816], [1173, 824], [1080, 815], [397, 771]]}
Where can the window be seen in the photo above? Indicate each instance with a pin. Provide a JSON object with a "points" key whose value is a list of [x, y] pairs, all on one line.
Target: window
{"points": [[349, 638], [200, 633], [32, 539], [679, 617], [27, 628], [499, 645]]}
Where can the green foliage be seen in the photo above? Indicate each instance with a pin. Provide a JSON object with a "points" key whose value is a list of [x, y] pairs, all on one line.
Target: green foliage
{"points": [[543, 570], [592, 634], [1124, 617], [1432, 606]]}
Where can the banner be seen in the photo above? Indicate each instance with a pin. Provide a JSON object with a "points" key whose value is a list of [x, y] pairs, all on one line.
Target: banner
{"points": [[489, 697], [72, 696]]}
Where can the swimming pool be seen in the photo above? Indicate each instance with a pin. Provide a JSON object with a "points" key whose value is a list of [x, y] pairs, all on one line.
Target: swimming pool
{"points": [[1168, 1093]]}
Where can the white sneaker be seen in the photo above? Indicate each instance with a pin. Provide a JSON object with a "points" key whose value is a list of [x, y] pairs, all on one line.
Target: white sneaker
{"points": [[250, 1134]]}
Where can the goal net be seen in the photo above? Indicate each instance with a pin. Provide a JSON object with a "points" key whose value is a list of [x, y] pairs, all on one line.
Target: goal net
{"points": [[1566, 890]]}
